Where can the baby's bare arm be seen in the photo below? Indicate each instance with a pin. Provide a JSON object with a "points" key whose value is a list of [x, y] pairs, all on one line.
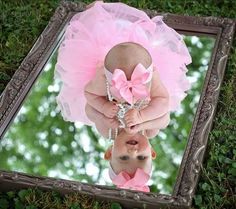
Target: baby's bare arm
{"points": [[150, 133], [95, 116], [159, 104], [101, 104], [95, 94], [151, 127], [95, 91], [102, 123], [92, 114], [158, 123], [97, 102]]}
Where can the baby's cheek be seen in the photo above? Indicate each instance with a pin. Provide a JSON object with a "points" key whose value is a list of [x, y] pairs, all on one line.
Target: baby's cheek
{"points": [[118, 148], [144, 146]]}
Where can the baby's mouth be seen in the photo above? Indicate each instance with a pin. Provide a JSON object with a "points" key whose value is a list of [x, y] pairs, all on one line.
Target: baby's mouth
{"points": [[132, 142]]}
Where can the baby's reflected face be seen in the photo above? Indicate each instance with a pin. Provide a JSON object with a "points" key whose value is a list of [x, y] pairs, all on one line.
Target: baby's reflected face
{"points": [[130, 152]]}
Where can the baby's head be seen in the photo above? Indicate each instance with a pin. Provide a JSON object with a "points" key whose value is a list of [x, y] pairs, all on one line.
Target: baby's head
{"points": [[126, 56], [128, 153]]}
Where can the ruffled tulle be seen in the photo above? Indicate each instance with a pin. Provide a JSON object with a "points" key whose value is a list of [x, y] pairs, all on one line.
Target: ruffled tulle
{"points": [[92, 33]]}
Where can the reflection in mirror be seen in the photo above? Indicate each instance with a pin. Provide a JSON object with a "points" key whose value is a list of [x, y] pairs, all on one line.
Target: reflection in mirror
{"points": [[40, 142]]}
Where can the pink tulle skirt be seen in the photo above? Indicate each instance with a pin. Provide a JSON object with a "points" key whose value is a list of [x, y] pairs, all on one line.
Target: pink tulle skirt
{"points": [[92, 33]]}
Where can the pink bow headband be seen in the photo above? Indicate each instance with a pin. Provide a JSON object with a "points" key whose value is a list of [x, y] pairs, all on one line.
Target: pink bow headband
{"points": [[133, 89], [125, 181]]}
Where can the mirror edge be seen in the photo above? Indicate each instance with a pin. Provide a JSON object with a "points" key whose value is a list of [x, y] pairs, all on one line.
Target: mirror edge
{"points": [[197, 142]]}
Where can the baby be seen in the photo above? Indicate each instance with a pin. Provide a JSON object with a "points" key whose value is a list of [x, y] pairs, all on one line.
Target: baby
{"points": [[128, 61], [131, 155], [125, 97]]}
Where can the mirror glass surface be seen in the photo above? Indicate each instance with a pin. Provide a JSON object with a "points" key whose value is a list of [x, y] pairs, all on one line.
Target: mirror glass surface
{"points": [[40, 142]]}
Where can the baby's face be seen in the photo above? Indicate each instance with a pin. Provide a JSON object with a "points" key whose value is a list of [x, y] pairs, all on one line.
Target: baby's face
{"points": [[130, 152]]}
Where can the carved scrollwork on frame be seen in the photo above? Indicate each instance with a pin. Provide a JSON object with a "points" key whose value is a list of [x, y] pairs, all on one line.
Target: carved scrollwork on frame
{"points": [[206, 109], [23, 79], [194, 153], [65, 186]]}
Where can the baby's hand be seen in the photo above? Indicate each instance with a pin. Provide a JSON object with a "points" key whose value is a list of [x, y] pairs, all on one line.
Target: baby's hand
{"points": [[132, 118], [110, 109]]}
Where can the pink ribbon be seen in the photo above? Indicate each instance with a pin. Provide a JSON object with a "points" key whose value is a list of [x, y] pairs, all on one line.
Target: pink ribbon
{"points": [[135, 88], [123, 180]]}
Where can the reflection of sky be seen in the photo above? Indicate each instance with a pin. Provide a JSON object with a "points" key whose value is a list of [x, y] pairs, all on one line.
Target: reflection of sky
{"points": [[91, 168]]}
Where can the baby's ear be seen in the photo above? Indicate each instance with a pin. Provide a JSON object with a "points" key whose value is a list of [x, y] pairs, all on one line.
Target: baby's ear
{"points": [[154, 154], [107, 155]]}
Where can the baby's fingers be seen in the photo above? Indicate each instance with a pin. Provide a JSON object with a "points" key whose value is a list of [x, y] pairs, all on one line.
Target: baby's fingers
{"points": [[115, 108], [132, 130], [127, 117], [130, 123]]}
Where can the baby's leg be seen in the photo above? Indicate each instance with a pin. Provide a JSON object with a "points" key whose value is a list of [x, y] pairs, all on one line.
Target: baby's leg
{"points": [[153, 126], [99, 118]]}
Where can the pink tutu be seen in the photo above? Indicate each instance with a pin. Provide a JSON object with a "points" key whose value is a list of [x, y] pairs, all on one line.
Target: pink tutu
{"points": [[92, 33]]}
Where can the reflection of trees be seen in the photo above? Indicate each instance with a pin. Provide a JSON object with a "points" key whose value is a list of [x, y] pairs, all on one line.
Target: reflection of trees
{"points": [[41, 142]]}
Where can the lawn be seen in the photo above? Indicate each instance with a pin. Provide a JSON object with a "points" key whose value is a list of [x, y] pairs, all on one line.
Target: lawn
{"points": [[22, 21]]}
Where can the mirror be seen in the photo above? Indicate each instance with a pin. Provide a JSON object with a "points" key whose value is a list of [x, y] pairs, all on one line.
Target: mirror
{"points": [[40, 142], [36, 140]]}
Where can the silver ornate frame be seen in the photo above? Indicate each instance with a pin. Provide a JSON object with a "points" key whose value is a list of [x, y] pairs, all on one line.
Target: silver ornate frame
{"points": [[16, 90]]}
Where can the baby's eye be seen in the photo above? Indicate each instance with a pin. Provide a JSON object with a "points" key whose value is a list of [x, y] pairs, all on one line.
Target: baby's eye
{"points": [[141, 157], [125, 157]]}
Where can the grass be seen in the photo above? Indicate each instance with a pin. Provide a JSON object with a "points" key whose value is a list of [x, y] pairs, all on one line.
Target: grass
{"points": [[21, 23], [34, 198]]}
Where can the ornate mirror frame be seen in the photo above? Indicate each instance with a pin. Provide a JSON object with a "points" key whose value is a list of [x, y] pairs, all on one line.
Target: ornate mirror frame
{"points": [[15, 92]]}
